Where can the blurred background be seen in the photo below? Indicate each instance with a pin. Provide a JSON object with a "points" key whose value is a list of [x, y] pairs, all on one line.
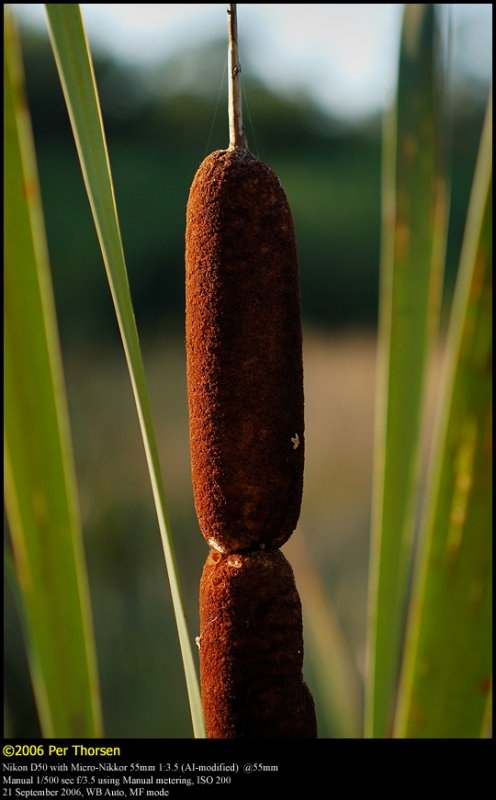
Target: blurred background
{"points": [[316, 81]]}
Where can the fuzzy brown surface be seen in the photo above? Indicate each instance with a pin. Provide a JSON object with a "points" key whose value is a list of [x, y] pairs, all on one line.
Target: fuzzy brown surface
{"points": [[251, 649], [244, 354]]}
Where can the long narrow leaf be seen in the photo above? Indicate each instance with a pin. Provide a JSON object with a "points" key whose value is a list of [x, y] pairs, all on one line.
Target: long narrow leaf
{"points": [[40, 493], [447, 673], [76, 73], [336, 675], [412, 261]]}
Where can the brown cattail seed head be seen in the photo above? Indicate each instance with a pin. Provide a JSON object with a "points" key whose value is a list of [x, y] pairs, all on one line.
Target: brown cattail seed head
{"points": [[251, 649], [244, 354]]}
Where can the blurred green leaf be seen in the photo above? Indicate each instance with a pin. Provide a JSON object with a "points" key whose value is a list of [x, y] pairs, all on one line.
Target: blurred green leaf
{"points": [[447, 673], [414, 229], [40, 493], [337, 683], [76, 73]]}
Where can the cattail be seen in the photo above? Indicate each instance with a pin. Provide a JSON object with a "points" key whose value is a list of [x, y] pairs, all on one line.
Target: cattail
{"points": [[245, 396], [251, 649], [244, 354]]}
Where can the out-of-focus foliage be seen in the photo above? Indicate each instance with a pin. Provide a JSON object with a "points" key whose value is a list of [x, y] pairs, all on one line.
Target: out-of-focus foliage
{"points": [[157, 137]]}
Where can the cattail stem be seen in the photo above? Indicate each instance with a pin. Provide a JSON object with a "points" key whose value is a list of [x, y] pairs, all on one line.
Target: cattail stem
{"points": [[237, 138]]}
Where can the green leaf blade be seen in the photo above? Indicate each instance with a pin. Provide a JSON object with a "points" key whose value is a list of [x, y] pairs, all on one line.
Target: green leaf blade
{"points": [[446, 677], [415, 199], [76, 73], [40, 495]]}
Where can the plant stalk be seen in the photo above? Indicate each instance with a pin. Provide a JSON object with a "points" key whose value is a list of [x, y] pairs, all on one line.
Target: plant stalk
{"points": [[237, 138]]}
